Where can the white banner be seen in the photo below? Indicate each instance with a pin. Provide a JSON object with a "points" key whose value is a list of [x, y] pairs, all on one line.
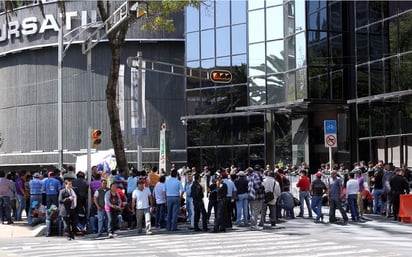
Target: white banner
{"points": [[134, 87]]}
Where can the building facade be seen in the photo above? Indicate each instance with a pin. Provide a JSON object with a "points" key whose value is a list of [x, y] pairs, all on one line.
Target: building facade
{"points": [[29, 79], [305, 62]]}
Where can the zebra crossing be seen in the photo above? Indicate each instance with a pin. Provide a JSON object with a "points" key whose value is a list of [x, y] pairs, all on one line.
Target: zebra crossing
{"points": [[239, 242]]}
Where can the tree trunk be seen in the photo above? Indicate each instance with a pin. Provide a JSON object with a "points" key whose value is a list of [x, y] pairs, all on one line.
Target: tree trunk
{"points": [[113, 110]]}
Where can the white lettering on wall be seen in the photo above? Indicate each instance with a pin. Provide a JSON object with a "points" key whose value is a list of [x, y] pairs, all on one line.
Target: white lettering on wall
{"points": [[14, 27], [49, 23], [29, 26], [3, 33], [69, 16]]}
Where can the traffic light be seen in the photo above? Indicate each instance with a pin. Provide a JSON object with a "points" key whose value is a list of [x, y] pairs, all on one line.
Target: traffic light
{"points": [[96, 141], [136, 9], [221, 76]]}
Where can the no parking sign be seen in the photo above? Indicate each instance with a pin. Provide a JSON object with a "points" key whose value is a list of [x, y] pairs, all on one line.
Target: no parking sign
{"points": [[330, 133]]}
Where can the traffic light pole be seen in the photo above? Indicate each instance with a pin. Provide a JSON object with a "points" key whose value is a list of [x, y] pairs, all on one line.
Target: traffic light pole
{"points": [[89, 123], [139, 112], [60, 98]]}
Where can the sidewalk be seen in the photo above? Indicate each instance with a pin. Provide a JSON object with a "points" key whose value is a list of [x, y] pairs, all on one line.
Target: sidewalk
{"points": [[21, 229]]}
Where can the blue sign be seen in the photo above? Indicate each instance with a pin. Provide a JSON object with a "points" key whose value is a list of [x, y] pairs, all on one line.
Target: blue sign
{"points": [[330, 126]]}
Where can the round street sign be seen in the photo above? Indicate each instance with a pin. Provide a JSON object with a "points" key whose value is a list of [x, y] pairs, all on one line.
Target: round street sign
{"points": [[330, 140]]}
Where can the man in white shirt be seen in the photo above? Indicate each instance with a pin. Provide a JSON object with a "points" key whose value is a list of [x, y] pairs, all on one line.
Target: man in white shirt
{"points": [[352, 188], [142, 203]]}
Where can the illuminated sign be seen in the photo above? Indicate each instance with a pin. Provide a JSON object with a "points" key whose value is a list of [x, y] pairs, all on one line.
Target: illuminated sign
{"points": [[221, 76]]}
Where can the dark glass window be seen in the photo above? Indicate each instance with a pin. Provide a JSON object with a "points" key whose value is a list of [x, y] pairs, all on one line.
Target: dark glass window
{"points": [[392, 115], [256, 129], [405, 32], [377, 112], [208, 157], [313, 6], [376, 78], [192, 101], [363, 120], [257, 155], [318, 53], [224, 156], [223, 100], [193, 157], [241, 157], [193, 82], [335, 16], [361, 13], [376, 41], [208, 101], [362, 83], [318, 83], [406, 114], [208, 134], [193, 133], [222, 130], [336, 50], [375, 11], [405, 71], [222, 13], [362, 49], [240, 130], [337, 85], [239, 95], [239, 72], [391, 74], [391, 37]]}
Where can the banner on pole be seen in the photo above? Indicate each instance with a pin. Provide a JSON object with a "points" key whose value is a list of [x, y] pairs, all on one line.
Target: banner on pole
{"points": [[134, 86]]}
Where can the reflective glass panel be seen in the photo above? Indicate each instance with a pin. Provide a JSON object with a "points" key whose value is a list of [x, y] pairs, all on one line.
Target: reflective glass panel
{"points": [[336, 49], [223, 41], [241, 157], [239, 37], [224, 156], [276, 89], [392, 117], [208, 44], [257, 59], [193, 103], [222, 13], [223, 62], [275, 60], [363, 120], [239, 11], [208, 63], [192, 19], [300, 16], [301, 84], [222, 128], [193, 133], [377, 111], [335, 16], [406, 115], [405, 41], [207, 12], [208, 101], [256, 4], [290, 82], [337, 85], [362, 46], [273, 2], [192, 46], [376, 41], [256, 26], [274, 23], [300, 50], [361, 13], [256, 131], [239, 95], [375, 11]]}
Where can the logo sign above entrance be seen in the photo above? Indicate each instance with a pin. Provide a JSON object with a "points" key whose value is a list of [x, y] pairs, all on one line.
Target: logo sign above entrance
{"points": [[221, 76]]}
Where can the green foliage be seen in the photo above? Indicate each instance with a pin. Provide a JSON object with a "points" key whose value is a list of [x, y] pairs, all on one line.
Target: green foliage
{"points": [[160, 13]]}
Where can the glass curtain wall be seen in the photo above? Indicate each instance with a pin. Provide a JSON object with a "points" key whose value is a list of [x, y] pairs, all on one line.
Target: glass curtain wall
{"points": [[216, 39], [383, 31]]}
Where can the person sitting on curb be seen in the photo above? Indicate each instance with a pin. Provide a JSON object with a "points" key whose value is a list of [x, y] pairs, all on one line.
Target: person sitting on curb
{"points": [[38, 214], [53, 220]]}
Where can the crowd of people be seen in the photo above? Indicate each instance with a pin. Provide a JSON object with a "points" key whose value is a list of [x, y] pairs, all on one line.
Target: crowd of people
{"points": [[253, 197]]}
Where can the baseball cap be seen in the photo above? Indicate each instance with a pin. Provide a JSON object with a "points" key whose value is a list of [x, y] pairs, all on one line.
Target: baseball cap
{"points": [[319, 174]]}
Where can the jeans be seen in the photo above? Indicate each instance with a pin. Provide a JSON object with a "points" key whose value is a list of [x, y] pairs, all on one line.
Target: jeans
{"points": [[160, 215], [190, 210], [114, 220], [93, 220], [173, 206], [377, 201], [49, 225], [101, 217], [304, 197], [353, 206], [317, 206], [5, 208], [242, 208], [52, 199], [22, 205]]}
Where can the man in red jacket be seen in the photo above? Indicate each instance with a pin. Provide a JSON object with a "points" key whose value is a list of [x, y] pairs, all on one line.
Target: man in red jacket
{"points": [[304, 193]]}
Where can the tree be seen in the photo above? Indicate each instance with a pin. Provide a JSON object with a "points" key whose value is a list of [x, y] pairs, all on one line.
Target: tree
{"points": [[158, 16]]}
